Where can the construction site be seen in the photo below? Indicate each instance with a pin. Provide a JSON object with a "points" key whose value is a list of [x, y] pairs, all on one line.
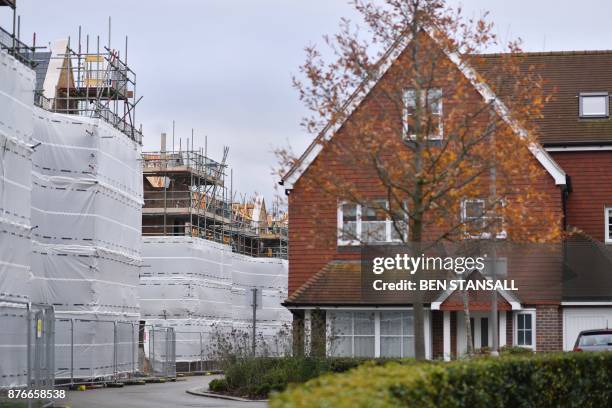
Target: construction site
{"points": [[113, 261]]}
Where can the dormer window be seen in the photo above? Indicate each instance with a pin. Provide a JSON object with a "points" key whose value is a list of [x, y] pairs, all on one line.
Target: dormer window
{"points": [[594, 105]]}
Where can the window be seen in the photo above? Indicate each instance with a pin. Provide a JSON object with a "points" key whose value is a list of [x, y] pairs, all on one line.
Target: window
{"points": [[369, 223], [374, 222], [525, 329], [396, 334], [594, 105], [348, 222], [430, 107], [352, 334], [477, 221], [608, 224], [371, 334]]}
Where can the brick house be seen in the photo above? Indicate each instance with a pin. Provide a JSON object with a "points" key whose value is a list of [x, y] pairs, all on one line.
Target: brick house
{"points": [[549, 308]]}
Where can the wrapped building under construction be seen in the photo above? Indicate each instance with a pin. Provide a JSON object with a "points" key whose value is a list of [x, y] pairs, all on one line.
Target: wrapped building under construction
{"points": [[209, 264], [105, 262]]}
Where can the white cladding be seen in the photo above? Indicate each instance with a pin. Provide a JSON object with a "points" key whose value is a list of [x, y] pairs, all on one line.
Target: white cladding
{"points": [[201, 287]]}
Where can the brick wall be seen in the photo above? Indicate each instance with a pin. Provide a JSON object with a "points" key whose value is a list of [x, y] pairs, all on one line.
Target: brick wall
{"points": [[590, 172], [549, 328], [509, 328]]}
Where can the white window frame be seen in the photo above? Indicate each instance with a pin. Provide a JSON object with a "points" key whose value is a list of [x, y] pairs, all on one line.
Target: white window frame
{"points": [[584, 95], [377, 335], [389, 227], [352, 335], [532, 313], [484, 235], [440, 114], [607, 215], [401, 336]]}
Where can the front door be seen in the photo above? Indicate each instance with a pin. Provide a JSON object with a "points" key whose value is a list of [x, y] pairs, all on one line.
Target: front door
{"points": [[480, 332]]}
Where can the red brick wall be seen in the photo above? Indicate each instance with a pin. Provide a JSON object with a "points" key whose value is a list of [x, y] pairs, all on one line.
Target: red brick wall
{"points": [[590, 173], [313, 212], [549, 328], [509, 329]]}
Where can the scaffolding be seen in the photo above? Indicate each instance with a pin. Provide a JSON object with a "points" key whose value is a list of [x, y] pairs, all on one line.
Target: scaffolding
{"points": [[93, 81], [186, 194]]}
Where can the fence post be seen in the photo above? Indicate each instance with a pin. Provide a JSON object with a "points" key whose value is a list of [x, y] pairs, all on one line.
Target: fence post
{"points": [[152, 349], [254, 319], [114, 350], [72, 351], [133, 354], [29, 350], [167, 362], [201, 354]]}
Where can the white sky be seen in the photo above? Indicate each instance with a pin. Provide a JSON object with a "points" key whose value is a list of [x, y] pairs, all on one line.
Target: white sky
{"points": [[224, 67]]}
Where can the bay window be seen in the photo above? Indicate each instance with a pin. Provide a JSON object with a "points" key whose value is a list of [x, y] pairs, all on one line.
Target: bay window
{"points": [[371, 334], [396, 334], [352, 334]]}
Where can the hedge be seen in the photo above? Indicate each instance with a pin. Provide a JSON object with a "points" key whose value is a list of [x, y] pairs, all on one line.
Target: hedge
{"points": [[257, 377], [553, 380]]}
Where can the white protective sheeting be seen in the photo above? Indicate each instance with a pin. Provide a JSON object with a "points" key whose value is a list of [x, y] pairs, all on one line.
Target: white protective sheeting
{"points": [[201, 288], [87, 210], [16, 101]]}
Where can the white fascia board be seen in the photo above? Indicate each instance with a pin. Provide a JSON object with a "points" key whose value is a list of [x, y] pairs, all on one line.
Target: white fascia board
{"points": [[369, 307], [485, 91], [502, 110], [578, 148]]}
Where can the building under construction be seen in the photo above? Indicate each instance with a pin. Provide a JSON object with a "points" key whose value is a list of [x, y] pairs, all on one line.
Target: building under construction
{"points": [[212, 266], [77, 237], [186, 194]]}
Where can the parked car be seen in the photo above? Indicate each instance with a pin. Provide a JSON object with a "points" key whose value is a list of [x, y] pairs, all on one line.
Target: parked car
{"points": [[594, 340]]}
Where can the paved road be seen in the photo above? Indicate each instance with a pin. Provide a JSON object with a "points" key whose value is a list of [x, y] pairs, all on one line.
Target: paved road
{"points": [[167, 395]]}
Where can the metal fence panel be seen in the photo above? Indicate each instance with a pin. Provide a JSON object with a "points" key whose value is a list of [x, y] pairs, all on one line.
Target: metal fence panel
{"points": [[162, 351], [26, 345], [96, 350]]}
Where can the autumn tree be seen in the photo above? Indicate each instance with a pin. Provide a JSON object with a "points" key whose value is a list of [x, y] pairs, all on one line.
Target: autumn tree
{"points": [[437, 124]]}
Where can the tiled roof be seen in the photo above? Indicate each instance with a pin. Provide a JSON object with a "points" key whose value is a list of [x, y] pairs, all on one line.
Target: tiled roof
{"points": [[568, 74], [538, 273], [340, 283]]}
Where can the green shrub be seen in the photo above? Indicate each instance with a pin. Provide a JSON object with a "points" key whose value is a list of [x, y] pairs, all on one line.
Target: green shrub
{"points": [[553, 380], [513, 350], [257, 377], [218, 385]]}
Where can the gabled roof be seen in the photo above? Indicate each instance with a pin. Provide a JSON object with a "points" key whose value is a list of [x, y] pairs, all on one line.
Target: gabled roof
{"points": [[311, 153], [507, 296]]}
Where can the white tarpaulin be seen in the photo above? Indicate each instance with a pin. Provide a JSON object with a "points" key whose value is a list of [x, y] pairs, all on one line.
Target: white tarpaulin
{"points": [[87, 210], [200, 287], [16, 100]]}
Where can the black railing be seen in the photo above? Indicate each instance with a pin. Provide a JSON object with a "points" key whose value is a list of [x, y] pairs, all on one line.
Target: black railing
{"points": [[16, 48]]}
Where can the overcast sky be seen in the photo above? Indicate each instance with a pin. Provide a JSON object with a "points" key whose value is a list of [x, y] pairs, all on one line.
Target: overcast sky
{"points": [[224, 67]]}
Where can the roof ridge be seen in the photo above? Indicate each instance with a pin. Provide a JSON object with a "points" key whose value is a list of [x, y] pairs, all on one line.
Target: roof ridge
{"points": [[546, 53]]}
